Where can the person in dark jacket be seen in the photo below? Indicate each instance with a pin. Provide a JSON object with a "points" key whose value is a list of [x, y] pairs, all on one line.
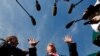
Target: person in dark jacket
{"points": [[10, 47]]}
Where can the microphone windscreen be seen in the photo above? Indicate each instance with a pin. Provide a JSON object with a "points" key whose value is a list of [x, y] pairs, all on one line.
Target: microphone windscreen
{"points": [[69, 24], [38, 7], [67, 0], [71, 8], [33, 20], [54, 10]]}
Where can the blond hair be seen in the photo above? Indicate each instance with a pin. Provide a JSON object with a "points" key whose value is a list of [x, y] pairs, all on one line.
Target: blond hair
{"points": [[51, 48]]}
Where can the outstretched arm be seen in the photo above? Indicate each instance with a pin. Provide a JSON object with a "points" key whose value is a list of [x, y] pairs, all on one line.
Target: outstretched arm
{"points": [[33, 49], [71, 45]]}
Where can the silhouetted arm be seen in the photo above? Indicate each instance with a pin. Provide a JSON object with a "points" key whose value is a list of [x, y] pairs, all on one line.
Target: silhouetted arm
{"points": [[32, 51], [73, 49]]}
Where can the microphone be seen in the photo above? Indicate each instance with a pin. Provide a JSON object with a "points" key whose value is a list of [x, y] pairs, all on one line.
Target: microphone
{"points": [[72, 22], [66, 0], [54, 9], [69, 24], [91, 22], [32, 18], [71, 8], [38, 7]]}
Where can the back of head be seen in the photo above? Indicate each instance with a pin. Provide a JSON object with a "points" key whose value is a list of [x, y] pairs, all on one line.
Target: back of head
{"points": [[12, 40]]}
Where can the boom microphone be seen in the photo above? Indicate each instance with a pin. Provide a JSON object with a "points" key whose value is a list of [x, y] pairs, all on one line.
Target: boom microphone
{"points": [[32, 18], [67, 0], [54, 9], [38, 7], [72, 22], [71, 8]]}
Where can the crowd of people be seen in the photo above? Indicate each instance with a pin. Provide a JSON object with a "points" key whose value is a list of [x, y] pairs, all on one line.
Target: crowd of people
{"points": [[10, 47]]}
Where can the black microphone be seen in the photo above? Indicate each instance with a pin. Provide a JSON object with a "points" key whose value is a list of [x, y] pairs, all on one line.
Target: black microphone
{"points": [[71, 8], [69, 24], [54, 9], [32, 18], [72, 22], [66, 0], [91, 22], [38, 7]]}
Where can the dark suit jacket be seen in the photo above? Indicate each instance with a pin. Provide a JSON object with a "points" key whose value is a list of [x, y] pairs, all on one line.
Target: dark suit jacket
{"points": [[8, 50], [73, 49]]}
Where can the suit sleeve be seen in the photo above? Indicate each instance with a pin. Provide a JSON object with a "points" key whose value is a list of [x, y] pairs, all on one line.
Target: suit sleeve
{"points": [[32, 51], [73, 49], [11, 50]]}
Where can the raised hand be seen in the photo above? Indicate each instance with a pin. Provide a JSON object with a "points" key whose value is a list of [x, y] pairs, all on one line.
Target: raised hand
{"points": [[68, 39], [32, 42]]}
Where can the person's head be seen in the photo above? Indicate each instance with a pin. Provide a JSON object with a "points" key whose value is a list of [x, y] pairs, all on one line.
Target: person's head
{"points": [[12, 40], [51, 48]]}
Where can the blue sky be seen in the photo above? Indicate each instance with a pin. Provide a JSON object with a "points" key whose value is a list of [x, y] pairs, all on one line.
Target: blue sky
{"points": [[49, 28]]}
